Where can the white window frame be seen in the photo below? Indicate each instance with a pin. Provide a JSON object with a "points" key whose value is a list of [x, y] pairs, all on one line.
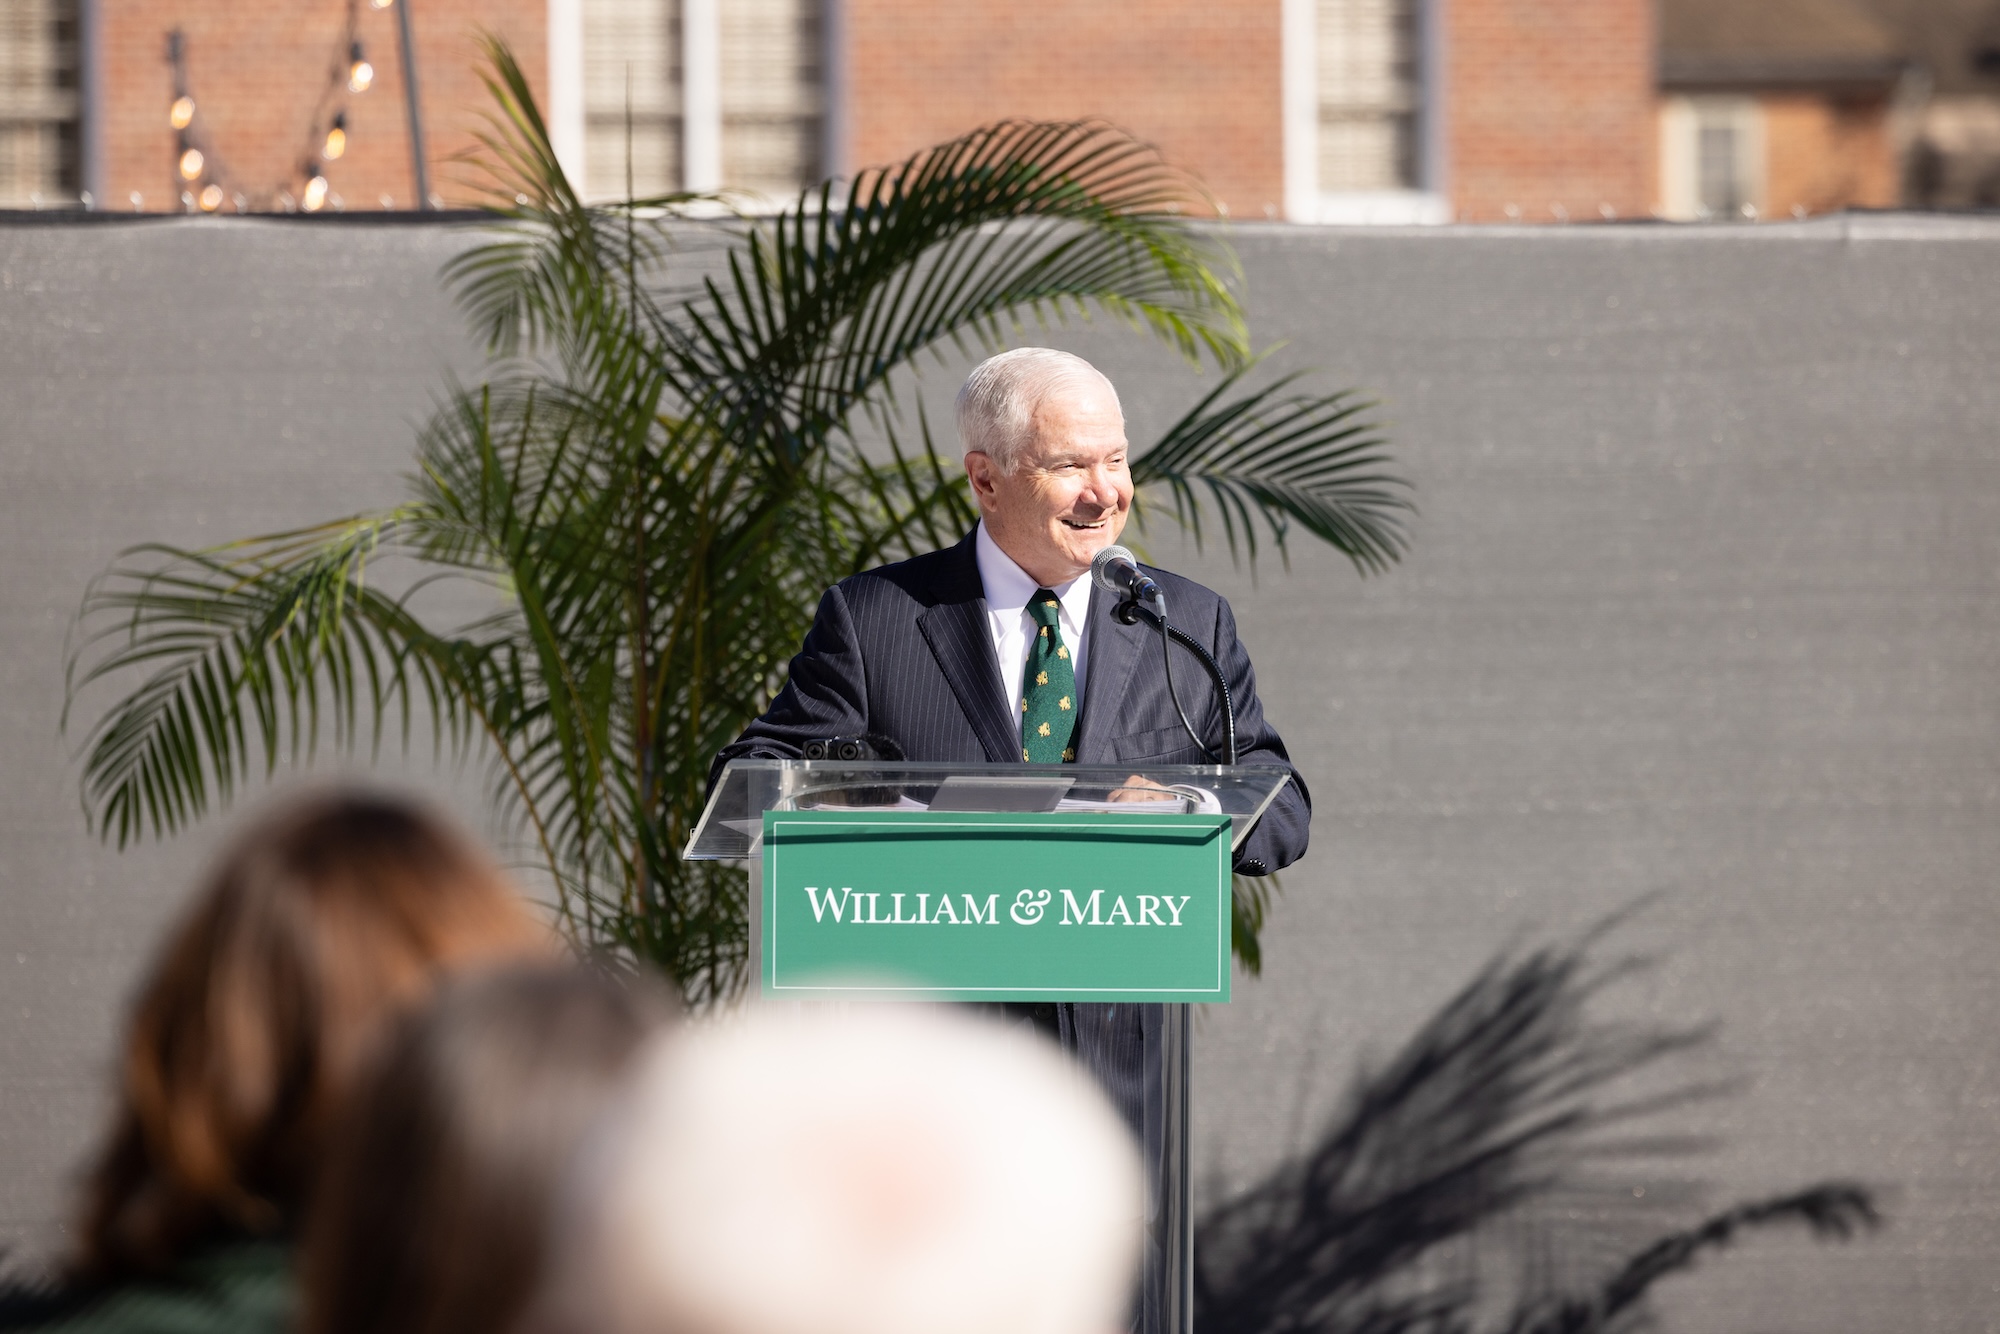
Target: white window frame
{"points": [[1305, 201], [566, 111], [701, 95]]}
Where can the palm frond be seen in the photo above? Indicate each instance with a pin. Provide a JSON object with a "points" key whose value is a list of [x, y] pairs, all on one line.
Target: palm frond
{"points": [[911, 503], [560, 271], [245, 652], [1279, 457], [1019, 219], [1250, 899]]}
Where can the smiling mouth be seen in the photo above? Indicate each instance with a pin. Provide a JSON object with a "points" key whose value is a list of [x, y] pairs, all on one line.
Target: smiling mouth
{"points": [[1090, 527]]}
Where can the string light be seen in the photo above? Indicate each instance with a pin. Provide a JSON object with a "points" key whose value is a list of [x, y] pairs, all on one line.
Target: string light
{"points": [[380, 4], [209, 178], [360, 74]]}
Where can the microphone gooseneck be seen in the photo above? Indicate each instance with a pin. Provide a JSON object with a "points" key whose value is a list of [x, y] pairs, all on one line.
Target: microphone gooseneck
{"points": [[1116, 570], [1131, 613]]}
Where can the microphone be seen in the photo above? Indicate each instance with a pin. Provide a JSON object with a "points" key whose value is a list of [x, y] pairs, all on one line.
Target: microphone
{"points": [[1116, 570]]}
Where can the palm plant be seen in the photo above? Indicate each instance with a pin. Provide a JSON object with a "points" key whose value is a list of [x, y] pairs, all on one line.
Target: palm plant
{"points": [[675, 448]]}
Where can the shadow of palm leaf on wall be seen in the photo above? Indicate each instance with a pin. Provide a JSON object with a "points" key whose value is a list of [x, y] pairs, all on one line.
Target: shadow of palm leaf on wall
{"points": [[1468, 1184]]}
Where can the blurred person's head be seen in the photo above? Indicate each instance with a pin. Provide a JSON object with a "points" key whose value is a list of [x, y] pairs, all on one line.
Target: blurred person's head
{"points": [[320, 922], [880, 1171], [438, 1189], [1045, 451]]}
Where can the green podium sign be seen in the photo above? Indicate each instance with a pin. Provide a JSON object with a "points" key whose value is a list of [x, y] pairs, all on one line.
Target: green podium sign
{"points": [[930, 905]]}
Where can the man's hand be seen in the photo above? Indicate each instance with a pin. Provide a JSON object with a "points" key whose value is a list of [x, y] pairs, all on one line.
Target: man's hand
{"points": [[1138, 788]]}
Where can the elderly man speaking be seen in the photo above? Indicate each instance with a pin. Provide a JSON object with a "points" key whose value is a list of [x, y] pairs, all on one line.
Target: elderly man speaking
{"points": [[946, 655]]}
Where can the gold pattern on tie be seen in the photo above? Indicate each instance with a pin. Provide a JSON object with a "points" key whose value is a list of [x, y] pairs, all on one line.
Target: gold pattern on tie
{"points": [[1048, 688]]}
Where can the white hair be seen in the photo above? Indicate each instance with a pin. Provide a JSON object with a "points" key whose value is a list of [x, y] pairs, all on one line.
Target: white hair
{"points": [[879, 1171], [997, 402]]}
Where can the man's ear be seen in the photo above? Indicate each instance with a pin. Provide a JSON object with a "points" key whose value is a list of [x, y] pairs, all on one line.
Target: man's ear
{"points": [[981, 471]]}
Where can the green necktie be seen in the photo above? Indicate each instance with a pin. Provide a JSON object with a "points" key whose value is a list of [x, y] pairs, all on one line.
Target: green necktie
{"points": [[1048, 688]]}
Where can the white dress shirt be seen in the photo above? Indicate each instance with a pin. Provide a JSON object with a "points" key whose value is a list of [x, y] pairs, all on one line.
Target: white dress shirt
{"points": [[1008, 588]]}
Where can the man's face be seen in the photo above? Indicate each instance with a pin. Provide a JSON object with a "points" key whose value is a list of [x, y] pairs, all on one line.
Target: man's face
{"points": [[1069, 492]]}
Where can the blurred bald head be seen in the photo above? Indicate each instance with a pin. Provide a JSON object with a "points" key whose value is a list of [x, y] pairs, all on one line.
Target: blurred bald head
{"points": [[889, 1171]]}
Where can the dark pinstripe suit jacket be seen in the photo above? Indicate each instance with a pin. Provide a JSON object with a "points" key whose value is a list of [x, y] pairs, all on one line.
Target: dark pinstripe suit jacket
{"points": [[903, 651]]}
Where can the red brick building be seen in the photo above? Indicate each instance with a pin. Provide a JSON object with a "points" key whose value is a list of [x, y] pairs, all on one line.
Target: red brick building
{"points": [[1781, 108], [1313, 110], [1548, 108], [1309, 109]]}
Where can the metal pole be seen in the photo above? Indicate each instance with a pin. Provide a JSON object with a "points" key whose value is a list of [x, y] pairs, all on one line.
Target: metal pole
{"points": [[409, 44], [1178, 1307], [90, 96], [177, 60]]}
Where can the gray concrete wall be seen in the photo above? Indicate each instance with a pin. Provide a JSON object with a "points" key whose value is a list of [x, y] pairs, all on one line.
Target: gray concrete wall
{"points": [[1701, 604]]}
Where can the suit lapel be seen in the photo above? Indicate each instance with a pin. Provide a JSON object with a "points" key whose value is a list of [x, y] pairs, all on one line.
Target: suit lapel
{"points": [[1114, 651], [955, 629]]}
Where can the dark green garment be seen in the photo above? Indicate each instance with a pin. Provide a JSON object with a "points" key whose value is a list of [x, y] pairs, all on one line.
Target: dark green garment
{"points": [[243, 1287]]}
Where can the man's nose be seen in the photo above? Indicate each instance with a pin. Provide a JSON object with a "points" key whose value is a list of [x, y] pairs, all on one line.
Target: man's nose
{"points": [[1100, 486]]}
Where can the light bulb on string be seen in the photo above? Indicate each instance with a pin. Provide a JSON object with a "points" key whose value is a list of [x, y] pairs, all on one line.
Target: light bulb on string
{"points": [[360, 74], [336, 138], [191, 162], [380, 4], [181, 113], [211, 198], [315, 193]]}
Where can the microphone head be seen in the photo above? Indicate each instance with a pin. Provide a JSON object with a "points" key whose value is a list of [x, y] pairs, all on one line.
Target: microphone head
{"points": [[1101, 565]]}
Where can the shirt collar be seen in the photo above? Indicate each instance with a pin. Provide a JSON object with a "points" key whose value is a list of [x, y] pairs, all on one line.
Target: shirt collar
{"points": [[1008, 587]]}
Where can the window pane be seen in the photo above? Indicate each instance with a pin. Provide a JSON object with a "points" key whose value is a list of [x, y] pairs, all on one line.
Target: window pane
{"points": [[1721, 180], [1369, 94], [38, 107], [639, 41], [771, 83]]}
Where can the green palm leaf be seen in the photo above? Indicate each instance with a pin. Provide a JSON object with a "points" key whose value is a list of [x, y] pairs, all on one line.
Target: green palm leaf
{"points": [[1268, 458], [244, 649]]}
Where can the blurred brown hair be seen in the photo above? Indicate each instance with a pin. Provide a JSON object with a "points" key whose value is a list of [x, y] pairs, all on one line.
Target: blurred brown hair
{"points": [[319, 923], [439, 1187]]}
